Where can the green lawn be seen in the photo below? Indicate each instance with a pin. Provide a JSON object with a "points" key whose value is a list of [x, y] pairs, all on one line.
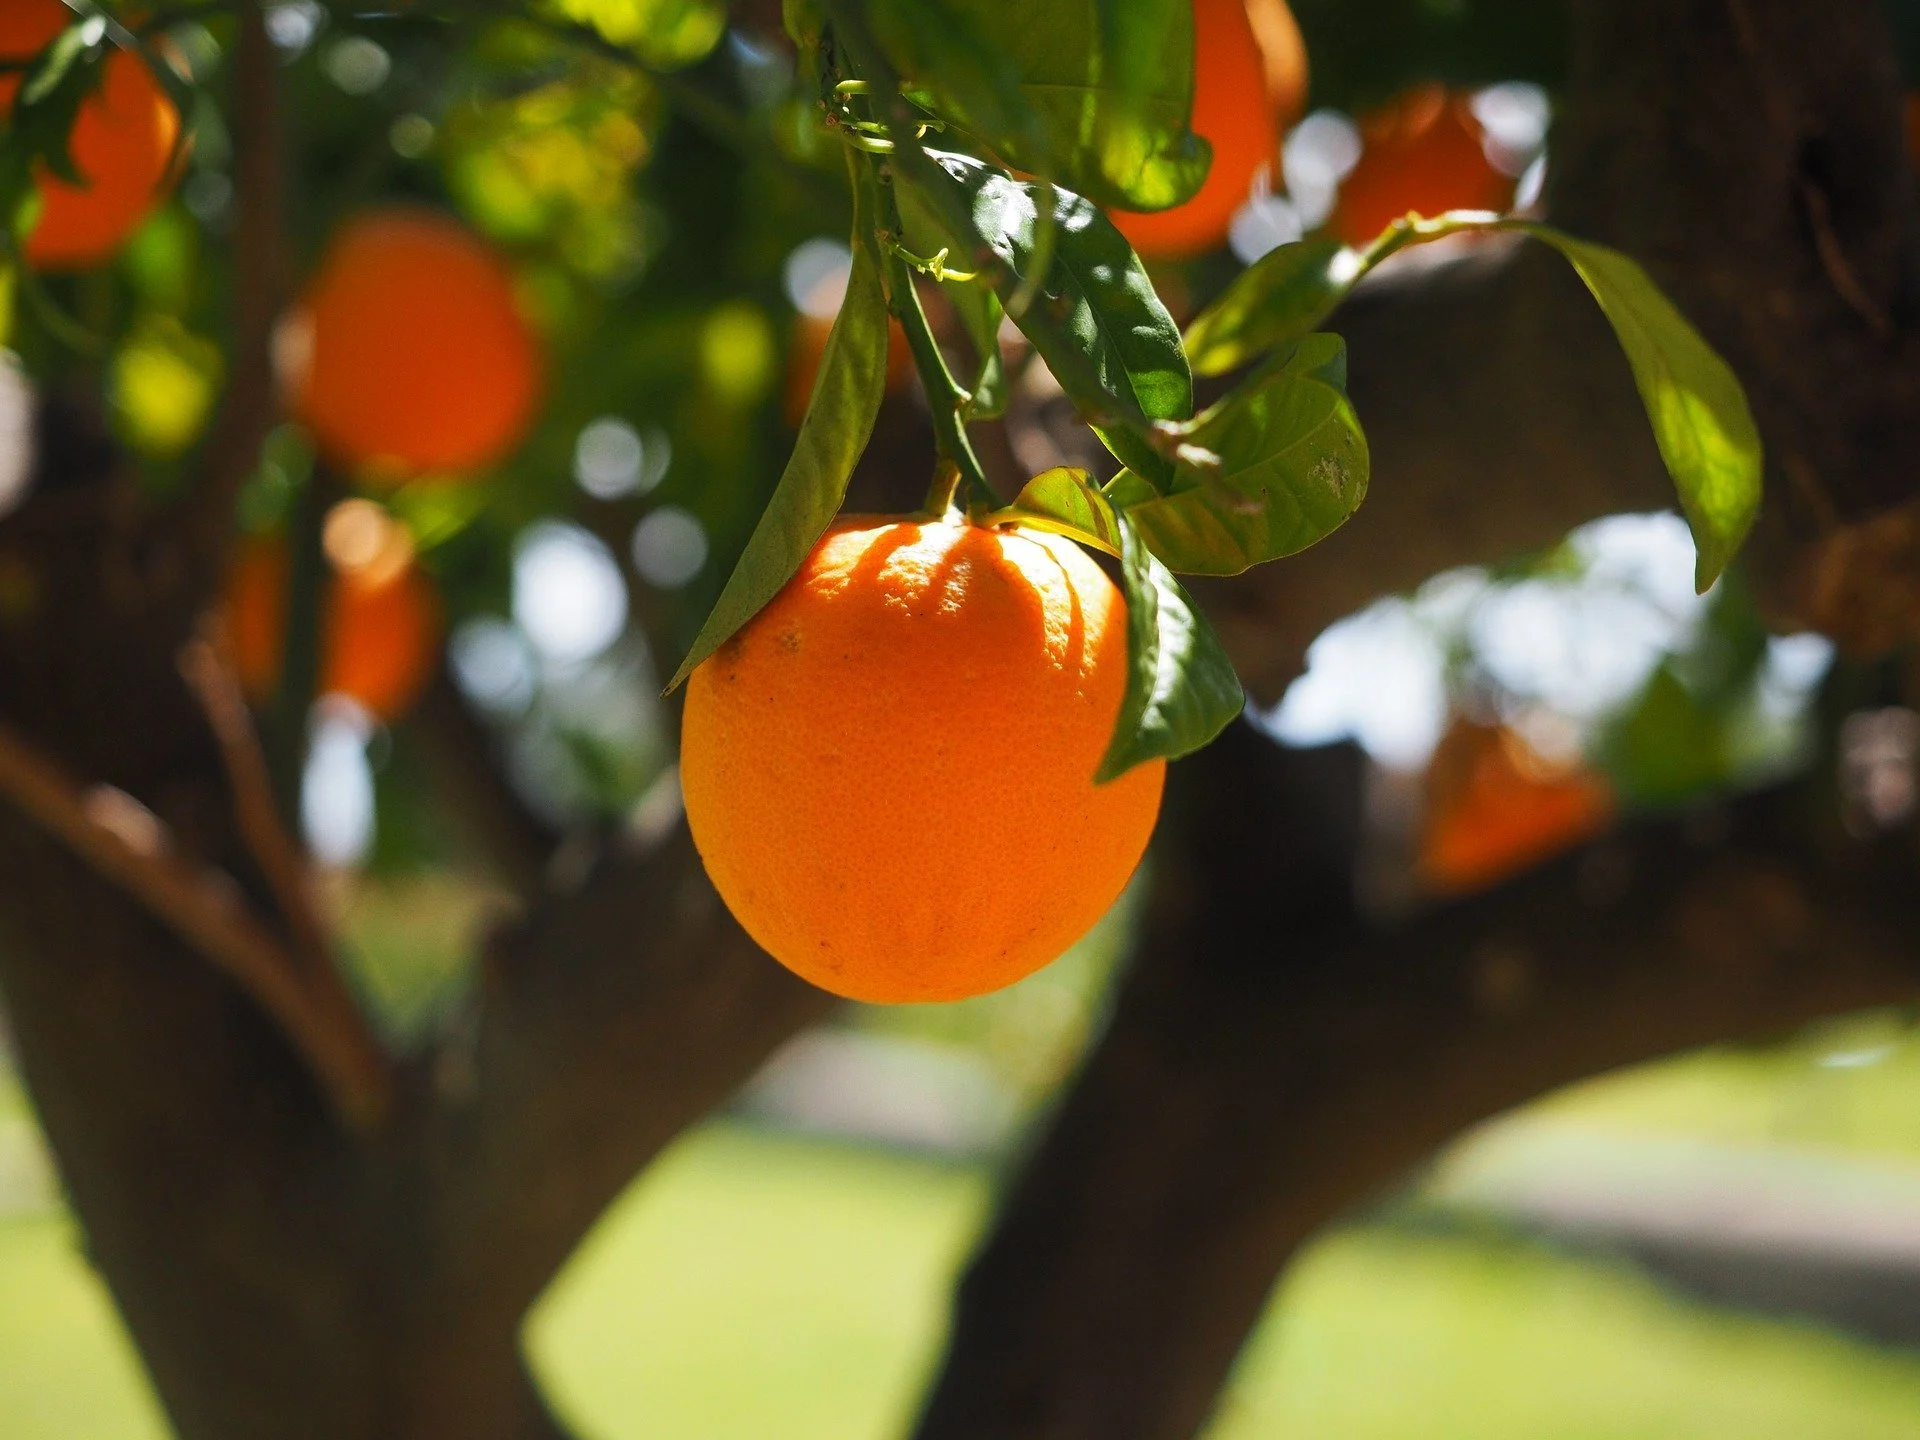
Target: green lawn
{"points": [[754, 1286]]}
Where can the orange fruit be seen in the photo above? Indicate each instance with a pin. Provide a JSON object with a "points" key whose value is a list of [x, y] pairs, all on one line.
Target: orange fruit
{"points": [[381, 620], [409, 353], [808, 345], [889, 770], [122, 140], [1422, 153], [1249, 85], [1496, 807]]}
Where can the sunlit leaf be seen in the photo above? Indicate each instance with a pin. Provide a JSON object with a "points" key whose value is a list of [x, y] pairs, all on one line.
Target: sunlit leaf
{"points": [[1181, 689], [1107, 335], [846, 397], [666, 34], [1096, 94], [1067, 502], [1293, 466], [1283, 296], [1701, 420]]}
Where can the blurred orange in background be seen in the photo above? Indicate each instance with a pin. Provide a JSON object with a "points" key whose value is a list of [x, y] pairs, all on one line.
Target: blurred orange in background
{"points": [[122, 141], [1423, 152], [807, 343], [1250, 85], [1495, 806], [380, 622], [409, 353]]}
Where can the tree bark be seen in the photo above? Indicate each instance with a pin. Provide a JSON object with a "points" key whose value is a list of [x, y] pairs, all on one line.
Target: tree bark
{"points": [[1275, 1056], [279, 1275]]}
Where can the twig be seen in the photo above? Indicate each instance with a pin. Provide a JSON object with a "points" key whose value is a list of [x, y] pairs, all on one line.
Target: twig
{"points": [[128, 846], [206, 664], [259, 281]]}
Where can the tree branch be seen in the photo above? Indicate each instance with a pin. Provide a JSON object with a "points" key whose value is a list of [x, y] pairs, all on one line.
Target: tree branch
{"points": [[1749, 154], [130, 848], [260, 275], [1276, 1058], [610, 1020]]}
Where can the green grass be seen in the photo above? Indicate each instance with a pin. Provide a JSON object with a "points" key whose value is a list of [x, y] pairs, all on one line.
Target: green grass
{"points": [[1385, 1336], [67, 1370], [752, 1286]]}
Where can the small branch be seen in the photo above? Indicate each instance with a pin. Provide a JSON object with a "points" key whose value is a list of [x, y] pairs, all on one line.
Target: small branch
{"points": [[259, 284], [206, 665], [128, 846], [946, 401]]}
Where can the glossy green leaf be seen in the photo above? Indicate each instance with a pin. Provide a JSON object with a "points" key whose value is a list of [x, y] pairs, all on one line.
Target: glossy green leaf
{"points": [[1097, 321], [1700, 417], [1701, 420], [1067, 502], [1096, 94], [846, 397], [1293, 467], [1181, 689], [1281, 297]]}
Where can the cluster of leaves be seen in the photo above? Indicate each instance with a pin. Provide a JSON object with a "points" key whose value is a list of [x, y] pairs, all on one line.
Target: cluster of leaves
{"points": [[1081, 107], [980, 158]]}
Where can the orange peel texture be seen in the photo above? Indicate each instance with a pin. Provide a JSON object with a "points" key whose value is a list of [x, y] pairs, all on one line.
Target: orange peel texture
{"points": [[889, 770]]}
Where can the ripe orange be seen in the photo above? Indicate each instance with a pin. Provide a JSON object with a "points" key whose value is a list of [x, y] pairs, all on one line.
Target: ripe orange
{"points": [[1495, 807], [122, 139], [889, 770], [1250, 84], [1422, 153], [381, 620], [409, 353], [808, 346]]}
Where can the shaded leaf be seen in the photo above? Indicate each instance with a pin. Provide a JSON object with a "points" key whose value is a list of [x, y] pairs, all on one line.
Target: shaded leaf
{"points": [[1293, 466], [1181, 689], [1097, 320], [1282, 297], [974, 301], [846, 397]]}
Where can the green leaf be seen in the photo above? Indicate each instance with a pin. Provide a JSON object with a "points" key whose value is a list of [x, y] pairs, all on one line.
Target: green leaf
{"points": [[58, 82], [1097, 320], [846, 397], [1700, 417], [1293, 467], [1181, 689], [665, 34], [804, 20], [1096, 94], [1283, 296], [1701, 421], [1067, 502], [974, 301]]}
